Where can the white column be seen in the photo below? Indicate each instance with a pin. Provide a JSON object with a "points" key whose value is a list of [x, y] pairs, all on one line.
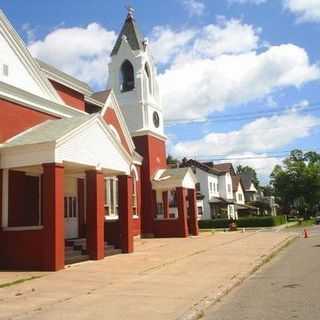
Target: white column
{"points": [[5, 197]]}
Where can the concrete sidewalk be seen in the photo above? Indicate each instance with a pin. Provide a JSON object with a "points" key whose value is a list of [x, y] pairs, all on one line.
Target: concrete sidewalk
{"points": [[163, 279]]}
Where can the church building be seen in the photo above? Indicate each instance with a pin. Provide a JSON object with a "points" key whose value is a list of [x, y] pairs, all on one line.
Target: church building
{"points": [[83, 173]]}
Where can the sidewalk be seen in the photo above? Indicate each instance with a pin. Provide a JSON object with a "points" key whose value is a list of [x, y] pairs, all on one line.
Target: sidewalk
{"points": [[163, 279]]}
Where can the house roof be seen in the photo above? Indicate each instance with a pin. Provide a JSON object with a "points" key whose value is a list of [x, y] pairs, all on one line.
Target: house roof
{"points": [[246, 182], [48, 131], [202, 166], [101, 96], [224, 167], [59, 76], [132, 34], [236, 180]]}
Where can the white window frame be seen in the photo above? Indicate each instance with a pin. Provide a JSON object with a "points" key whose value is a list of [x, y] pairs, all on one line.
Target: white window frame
{"points": [[111, 198]]}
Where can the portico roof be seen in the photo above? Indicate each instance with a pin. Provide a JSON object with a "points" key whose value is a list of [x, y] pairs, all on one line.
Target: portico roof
{"points": [[85, 140], [174, 178]]}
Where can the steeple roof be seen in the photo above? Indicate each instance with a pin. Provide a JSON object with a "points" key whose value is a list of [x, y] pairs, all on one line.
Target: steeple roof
{"points": [[132, 34]]}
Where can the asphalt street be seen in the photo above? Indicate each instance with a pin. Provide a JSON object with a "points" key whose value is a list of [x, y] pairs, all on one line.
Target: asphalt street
{"points": [[286, 288]]}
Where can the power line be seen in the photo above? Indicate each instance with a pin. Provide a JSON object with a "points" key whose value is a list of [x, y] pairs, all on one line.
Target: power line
{"points": [[314, 107]]}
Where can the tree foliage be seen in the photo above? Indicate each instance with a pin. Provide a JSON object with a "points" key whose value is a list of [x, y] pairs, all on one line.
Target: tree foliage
{"points": [[297, 182], [249, 171]]}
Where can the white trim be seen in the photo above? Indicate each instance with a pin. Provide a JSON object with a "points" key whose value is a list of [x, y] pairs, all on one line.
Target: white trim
{"points": [[94, 102], [146, 132], [31, 228], [113, 102], [111, 218], [35, 102], [5, 197], [135, 217], [134, 169]]}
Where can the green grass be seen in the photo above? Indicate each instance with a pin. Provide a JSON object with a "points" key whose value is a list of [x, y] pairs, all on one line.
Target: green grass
{"points": [[9, 284], [304, 224]]}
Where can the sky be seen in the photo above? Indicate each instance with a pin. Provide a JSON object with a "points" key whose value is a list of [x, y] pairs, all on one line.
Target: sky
{"points": [[239, 78]]}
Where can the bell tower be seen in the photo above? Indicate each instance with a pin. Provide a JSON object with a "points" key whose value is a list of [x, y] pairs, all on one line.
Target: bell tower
{"points": [[133, 78]]}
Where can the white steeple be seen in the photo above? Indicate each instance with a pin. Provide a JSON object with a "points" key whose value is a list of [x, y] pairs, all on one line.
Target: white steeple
{"points": [[133, 78]]}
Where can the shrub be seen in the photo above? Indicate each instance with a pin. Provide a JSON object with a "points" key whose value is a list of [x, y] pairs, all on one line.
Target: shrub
{"points": [[243, 222]]}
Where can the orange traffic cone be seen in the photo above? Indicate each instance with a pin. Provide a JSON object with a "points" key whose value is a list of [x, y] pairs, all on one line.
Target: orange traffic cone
{"points": [[306, 234]]}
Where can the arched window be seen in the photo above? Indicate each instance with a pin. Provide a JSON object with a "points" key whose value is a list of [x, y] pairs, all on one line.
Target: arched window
{"points": [[148, 74], [127, 76], [134, 175]]}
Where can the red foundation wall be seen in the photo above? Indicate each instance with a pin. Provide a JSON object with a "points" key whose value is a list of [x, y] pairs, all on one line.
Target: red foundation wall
{"points": [[167, 228], [71, 97], [15, 119], [22, 250]]}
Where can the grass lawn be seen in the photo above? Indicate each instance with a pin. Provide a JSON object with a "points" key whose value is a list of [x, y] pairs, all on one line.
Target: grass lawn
{"points": [[304, 224]]}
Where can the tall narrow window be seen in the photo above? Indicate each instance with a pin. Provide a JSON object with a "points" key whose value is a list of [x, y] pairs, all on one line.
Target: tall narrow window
{"points": [[148, 74], [127, 76], [111, 197], [134, 195]]}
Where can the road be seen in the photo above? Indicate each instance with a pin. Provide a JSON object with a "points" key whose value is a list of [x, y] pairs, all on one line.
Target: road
{"points": [[286, 288]]}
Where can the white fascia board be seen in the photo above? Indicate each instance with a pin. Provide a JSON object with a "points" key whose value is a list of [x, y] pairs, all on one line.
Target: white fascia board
{"points": [[24, 55], [112, 101], [144, 132], [94, 102], [24, 98]]}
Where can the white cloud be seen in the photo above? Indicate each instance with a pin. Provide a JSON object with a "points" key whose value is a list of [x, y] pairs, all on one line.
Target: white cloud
{"points": [[194, 7], [261, 135], [196, 86], [166, 43], [81, 52], [306, 10]]}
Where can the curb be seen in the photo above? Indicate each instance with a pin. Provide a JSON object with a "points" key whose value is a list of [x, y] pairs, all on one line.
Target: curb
{"points": [[197, 311]]}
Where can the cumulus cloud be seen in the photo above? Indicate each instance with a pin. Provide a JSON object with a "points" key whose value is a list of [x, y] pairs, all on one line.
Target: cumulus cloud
{"points": [[199, 86], [194, 7], [262, 135], [305, 10], [81, 52]]}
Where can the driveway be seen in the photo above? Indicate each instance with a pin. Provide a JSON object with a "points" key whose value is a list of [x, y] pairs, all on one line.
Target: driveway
{"points": [[163, 279]]}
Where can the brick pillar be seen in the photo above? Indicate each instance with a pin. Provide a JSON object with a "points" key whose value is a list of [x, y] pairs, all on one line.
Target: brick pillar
{"points": [[53, 216], [95, 214], [125, 213], [182, 212], [1, 199], [165, 200], [193, 212]]}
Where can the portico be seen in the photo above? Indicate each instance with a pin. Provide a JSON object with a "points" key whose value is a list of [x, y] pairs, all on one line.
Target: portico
{"points": [[53, 187]]}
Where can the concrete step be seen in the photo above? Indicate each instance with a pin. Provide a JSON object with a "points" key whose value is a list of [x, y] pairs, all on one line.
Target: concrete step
{"points": [[112, 252], [76, 259]]}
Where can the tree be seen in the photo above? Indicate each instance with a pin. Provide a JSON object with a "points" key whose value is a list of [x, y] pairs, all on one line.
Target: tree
{"points": [[297, 182], [249, 171]]}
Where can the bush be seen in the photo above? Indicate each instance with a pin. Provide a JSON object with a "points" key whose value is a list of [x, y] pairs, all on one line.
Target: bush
{"points": [[243, 222]]}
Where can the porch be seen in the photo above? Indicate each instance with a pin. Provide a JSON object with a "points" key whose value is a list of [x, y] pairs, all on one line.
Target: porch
{"points": [[53, 189]]}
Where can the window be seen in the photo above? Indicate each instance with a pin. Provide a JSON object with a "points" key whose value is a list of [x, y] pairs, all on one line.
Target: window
{"points": [[111, 197], [214, 187], [200, 211], [240, 197], [217, 187], [5, 70], [229, 188], [172, 199], [148, 74], [198, 186], [134, 194], [210, 186], [127, 76]]}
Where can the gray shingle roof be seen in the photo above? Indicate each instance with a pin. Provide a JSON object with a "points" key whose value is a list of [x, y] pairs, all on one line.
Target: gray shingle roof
{"points": [[48, 131], [101, 96], [134, 38]]}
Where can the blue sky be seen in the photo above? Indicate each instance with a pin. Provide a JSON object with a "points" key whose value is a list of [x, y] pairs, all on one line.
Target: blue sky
{"points": [[214, 58]]}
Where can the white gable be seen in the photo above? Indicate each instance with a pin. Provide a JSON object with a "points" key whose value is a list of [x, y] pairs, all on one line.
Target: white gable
{"points": [[18, 68], [93, 148]]}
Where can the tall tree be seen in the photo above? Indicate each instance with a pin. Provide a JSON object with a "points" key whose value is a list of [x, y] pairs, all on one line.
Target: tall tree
{"points": [[249, 171], [297, 182]]}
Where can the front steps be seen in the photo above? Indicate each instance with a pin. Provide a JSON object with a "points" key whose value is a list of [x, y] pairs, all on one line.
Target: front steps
{"points": [[76, 250]]}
